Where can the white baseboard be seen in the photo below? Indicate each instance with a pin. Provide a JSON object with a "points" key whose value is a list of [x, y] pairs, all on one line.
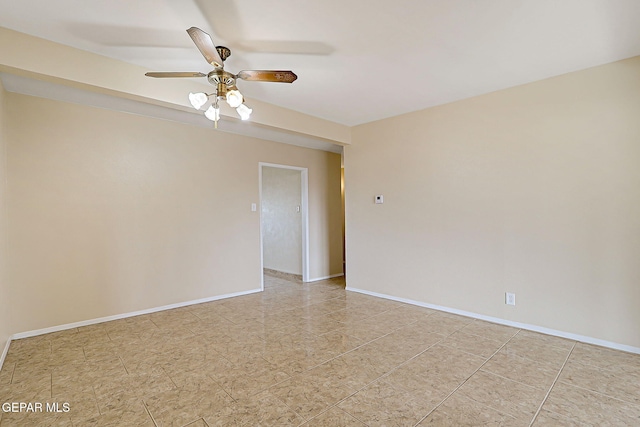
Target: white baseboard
{"points": [[4, 352], [317, 279], [534, 328], [125, 315]]}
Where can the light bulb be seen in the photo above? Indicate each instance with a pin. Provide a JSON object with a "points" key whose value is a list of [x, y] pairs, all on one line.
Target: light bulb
{"points": [[244, 111], [198, 99], [212, 114], [234, 98]]}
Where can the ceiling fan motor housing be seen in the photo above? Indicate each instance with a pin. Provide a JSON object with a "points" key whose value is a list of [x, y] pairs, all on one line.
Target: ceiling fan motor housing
{"points": [[222, 80]]}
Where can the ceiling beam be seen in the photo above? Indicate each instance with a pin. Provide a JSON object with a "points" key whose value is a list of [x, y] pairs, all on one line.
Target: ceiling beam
{"points": [[33, 57]]}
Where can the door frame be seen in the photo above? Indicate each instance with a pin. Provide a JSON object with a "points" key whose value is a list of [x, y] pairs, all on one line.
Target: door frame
{"points": [[304, 212]]}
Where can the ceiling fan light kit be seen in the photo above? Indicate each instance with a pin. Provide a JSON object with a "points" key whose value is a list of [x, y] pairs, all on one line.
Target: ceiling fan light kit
{"points": [[197, 100], [223, 81]]}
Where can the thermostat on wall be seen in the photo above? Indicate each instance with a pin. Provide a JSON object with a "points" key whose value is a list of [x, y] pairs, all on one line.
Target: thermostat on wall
{"points": [[379, 199]]}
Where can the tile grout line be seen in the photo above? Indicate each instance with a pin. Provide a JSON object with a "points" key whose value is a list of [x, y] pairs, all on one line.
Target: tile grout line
{"points": [[602, 394], [409, 360], [335, 405], [95, 396], [13, 372], [552, 385], [358, 390], [465, 381], [123, 365], [169, 376], [149, 413], [383, 375]]}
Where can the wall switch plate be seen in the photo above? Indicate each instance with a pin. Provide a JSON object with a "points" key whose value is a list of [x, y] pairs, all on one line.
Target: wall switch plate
{"points": [[253, 207], [379, 199], [509, 298]]}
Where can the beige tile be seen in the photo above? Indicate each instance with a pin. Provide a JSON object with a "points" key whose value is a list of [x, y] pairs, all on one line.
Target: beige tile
{"points": [[346, 315], [363, 331], [83, 374], [32, 349], [38, 419], [415, 333], [516, 399], [35, 373], [440, 368], [6, 374], [100, 350], [547, 339], [356, 369], [538, 349], [458, 411], [116, 400], [473, 344], [341, 342], [142, 363], [179, 407], [589, 407], [321, 325], [396, 317], [613, 360], [113, 392], [333, 417], [551, 419], [400, 349], [197, 423], [382, 404], [264, 409], [613, 383], [127, 413], [29, 390], [193, 358], [297, 360], [309, 395], [444, 323], [490, 330], [523, 370]]}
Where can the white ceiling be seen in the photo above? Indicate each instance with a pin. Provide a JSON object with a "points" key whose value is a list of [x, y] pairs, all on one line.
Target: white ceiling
{"points": [[356, 60]]}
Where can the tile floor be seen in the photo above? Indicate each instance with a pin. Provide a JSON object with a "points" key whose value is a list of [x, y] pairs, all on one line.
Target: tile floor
{"points": [[315, 355]]}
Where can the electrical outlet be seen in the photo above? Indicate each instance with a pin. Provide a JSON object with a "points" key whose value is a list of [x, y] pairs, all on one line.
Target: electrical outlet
{"points": [[509, 298], [379, 199]]}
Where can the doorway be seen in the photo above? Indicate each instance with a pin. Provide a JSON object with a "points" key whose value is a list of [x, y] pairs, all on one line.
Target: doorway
{"points": [[284, 223]]}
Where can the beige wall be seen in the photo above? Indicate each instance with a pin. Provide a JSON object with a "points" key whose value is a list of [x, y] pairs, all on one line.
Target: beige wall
{"points": [[281, 221], [112, 213], [533, 190], [5, 331]]}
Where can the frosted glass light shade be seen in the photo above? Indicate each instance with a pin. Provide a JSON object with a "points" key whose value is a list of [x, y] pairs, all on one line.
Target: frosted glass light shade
{"points": [[198, 99], [212, 114], [244, 111], [234, 98]]}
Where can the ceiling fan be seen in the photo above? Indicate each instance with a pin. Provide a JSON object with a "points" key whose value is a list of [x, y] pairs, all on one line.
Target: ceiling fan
{"points": [[223, 81]]}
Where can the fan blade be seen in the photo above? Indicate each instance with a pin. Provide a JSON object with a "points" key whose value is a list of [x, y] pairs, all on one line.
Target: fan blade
{"points": [[267, 76], [163, 74], [205, 44]]}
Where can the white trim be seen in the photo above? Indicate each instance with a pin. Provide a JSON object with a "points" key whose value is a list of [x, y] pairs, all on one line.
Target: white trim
{"points": [[543, 330], [305, 223], [304, 195], [4, 352], [260, 225], [66, 326], [317, 279]]}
